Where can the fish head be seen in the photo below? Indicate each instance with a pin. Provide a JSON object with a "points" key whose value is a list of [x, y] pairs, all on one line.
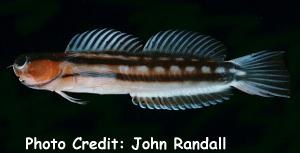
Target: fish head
{"points": [[36, 72]]}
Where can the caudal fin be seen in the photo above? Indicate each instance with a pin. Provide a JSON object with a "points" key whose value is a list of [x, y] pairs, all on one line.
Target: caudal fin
{"points": [[263, 74]]}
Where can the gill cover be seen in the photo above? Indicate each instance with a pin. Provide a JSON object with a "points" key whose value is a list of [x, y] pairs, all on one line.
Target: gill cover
{"points": [[42, 71]]}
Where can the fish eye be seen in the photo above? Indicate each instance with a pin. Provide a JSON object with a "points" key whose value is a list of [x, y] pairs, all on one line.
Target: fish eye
{"points": [[21, 62]]}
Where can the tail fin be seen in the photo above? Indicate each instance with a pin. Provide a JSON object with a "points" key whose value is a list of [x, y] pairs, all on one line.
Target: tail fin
{"points": [[264, 75]]}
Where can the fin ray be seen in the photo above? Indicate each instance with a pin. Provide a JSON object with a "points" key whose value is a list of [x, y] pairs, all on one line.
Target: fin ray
{"points": [[71, 99], [180, 102], [265, 74], [100, 40], [185, 43]]}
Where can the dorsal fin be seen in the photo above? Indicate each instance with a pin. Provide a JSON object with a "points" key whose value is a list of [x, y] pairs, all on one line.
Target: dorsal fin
{"points": [[185, 43], [99, 40]]}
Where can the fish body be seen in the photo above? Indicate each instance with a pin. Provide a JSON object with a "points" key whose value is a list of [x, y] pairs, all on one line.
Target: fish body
{"points": [[173, 70]]}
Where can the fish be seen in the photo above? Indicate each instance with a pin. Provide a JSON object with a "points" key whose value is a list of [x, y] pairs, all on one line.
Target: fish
{"points": [[173, 70]]}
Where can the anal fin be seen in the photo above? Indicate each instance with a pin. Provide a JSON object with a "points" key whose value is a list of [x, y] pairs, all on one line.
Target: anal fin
{"points": [[181, 102]]}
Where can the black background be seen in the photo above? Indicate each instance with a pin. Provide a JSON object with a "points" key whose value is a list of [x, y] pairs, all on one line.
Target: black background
{"points": [[250, 123]]}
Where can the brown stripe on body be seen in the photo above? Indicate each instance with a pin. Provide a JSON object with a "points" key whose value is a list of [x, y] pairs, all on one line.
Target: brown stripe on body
{"points": [[130, 60], [151, 69]]}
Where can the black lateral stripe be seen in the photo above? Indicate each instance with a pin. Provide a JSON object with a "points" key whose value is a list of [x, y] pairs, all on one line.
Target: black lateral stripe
{"points": [[152, 78], [170, 78], [97, 74], [70, 75], [90, 74], [150, 62]]}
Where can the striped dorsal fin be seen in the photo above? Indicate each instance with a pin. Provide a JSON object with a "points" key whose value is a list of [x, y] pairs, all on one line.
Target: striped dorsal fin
{"points": [[181, 102], [185, 43], [100, 40]]}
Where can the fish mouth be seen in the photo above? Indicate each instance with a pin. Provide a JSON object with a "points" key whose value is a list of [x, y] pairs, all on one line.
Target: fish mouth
{"points": [[39, 85]]}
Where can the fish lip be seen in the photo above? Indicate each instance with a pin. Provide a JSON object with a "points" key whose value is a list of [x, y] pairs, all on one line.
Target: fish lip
{"points": [[41, 84]]}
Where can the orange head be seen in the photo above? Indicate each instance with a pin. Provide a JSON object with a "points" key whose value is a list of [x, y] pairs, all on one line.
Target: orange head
{"points": [[36, 72]]}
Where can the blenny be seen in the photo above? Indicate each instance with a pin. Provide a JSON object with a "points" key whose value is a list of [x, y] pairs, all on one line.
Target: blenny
{"points": [[173, 70]]}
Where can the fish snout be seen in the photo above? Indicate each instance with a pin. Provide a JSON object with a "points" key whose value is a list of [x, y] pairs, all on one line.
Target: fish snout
{"points": [[23, 81]]}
